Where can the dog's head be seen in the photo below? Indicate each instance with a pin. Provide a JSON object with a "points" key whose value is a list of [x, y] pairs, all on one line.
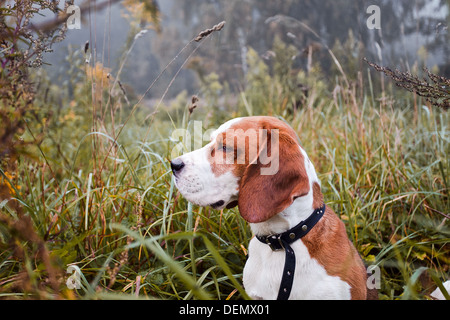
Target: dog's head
{"points": [[254, 162]]}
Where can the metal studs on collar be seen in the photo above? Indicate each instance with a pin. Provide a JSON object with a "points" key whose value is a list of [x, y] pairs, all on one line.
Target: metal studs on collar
{"points": [[282, 241]]}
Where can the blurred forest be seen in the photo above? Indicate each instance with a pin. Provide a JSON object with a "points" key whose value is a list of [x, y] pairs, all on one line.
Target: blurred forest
{"points": [[409, 29]]}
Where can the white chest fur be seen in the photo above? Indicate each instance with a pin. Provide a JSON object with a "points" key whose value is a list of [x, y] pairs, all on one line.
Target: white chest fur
{"points": [[264, 268]]}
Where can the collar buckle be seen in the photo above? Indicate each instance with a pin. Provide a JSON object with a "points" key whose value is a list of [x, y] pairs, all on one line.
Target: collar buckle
{"points": [[275, 243]]}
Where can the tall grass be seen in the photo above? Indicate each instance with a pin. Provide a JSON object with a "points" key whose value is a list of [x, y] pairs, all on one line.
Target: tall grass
{"points": [[106, 202]]}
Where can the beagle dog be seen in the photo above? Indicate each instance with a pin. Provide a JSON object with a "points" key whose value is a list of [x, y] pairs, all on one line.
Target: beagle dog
{"points": [[300, 249]]}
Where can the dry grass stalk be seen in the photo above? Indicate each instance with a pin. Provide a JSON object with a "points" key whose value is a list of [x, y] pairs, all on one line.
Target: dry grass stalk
{"points": [[207, 32], [437, 92], [193, 104]]}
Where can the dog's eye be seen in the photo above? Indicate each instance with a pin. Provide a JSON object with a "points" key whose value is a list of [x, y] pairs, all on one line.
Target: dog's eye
{"points": [[224, 148]]}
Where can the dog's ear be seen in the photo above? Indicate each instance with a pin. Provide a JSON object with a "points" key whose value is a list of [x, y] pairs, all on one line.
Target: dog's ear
{"points": [[266, 189]]}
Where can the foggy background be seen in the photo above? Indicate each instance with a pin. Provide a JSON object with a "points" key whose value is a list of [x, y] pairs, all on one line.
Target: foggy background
{"points": [[412, 32]]}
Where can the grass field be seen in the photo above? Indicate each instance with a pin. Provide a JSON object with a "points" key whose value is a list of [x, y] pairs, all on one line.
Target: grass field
{"points": [[94, 189]]}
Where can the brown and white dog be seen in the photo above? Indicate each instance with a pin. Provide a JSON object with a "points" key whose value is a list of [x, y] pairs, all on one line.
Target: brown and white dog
{"points": [[258, 164]]}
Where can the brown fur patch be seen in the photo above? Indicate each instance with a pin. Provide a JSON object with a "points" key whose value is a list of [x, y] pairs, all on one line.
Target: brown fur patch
{"points": [[328, 243], [263, 196], [317, 196]]}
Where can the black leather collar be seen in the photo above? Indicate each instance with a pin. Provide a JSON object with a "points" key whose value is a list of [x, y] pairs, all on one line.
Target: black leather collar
{"points": [[282, 241]]}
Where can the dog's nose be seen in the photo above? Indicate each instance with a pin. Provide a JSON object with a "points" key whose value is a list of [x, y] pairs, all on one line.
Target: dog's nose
{"points": [[177, 165]]}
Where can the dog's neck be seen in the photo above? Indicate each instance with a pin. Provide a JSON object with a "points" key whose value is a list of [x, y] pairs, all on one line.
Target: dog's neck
{"points": [[300, 209]]}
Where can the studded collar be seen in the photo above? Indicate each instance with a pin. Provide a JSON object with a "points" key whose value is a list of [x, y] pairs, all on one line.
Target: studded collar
{"points": [[282, 241]]}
